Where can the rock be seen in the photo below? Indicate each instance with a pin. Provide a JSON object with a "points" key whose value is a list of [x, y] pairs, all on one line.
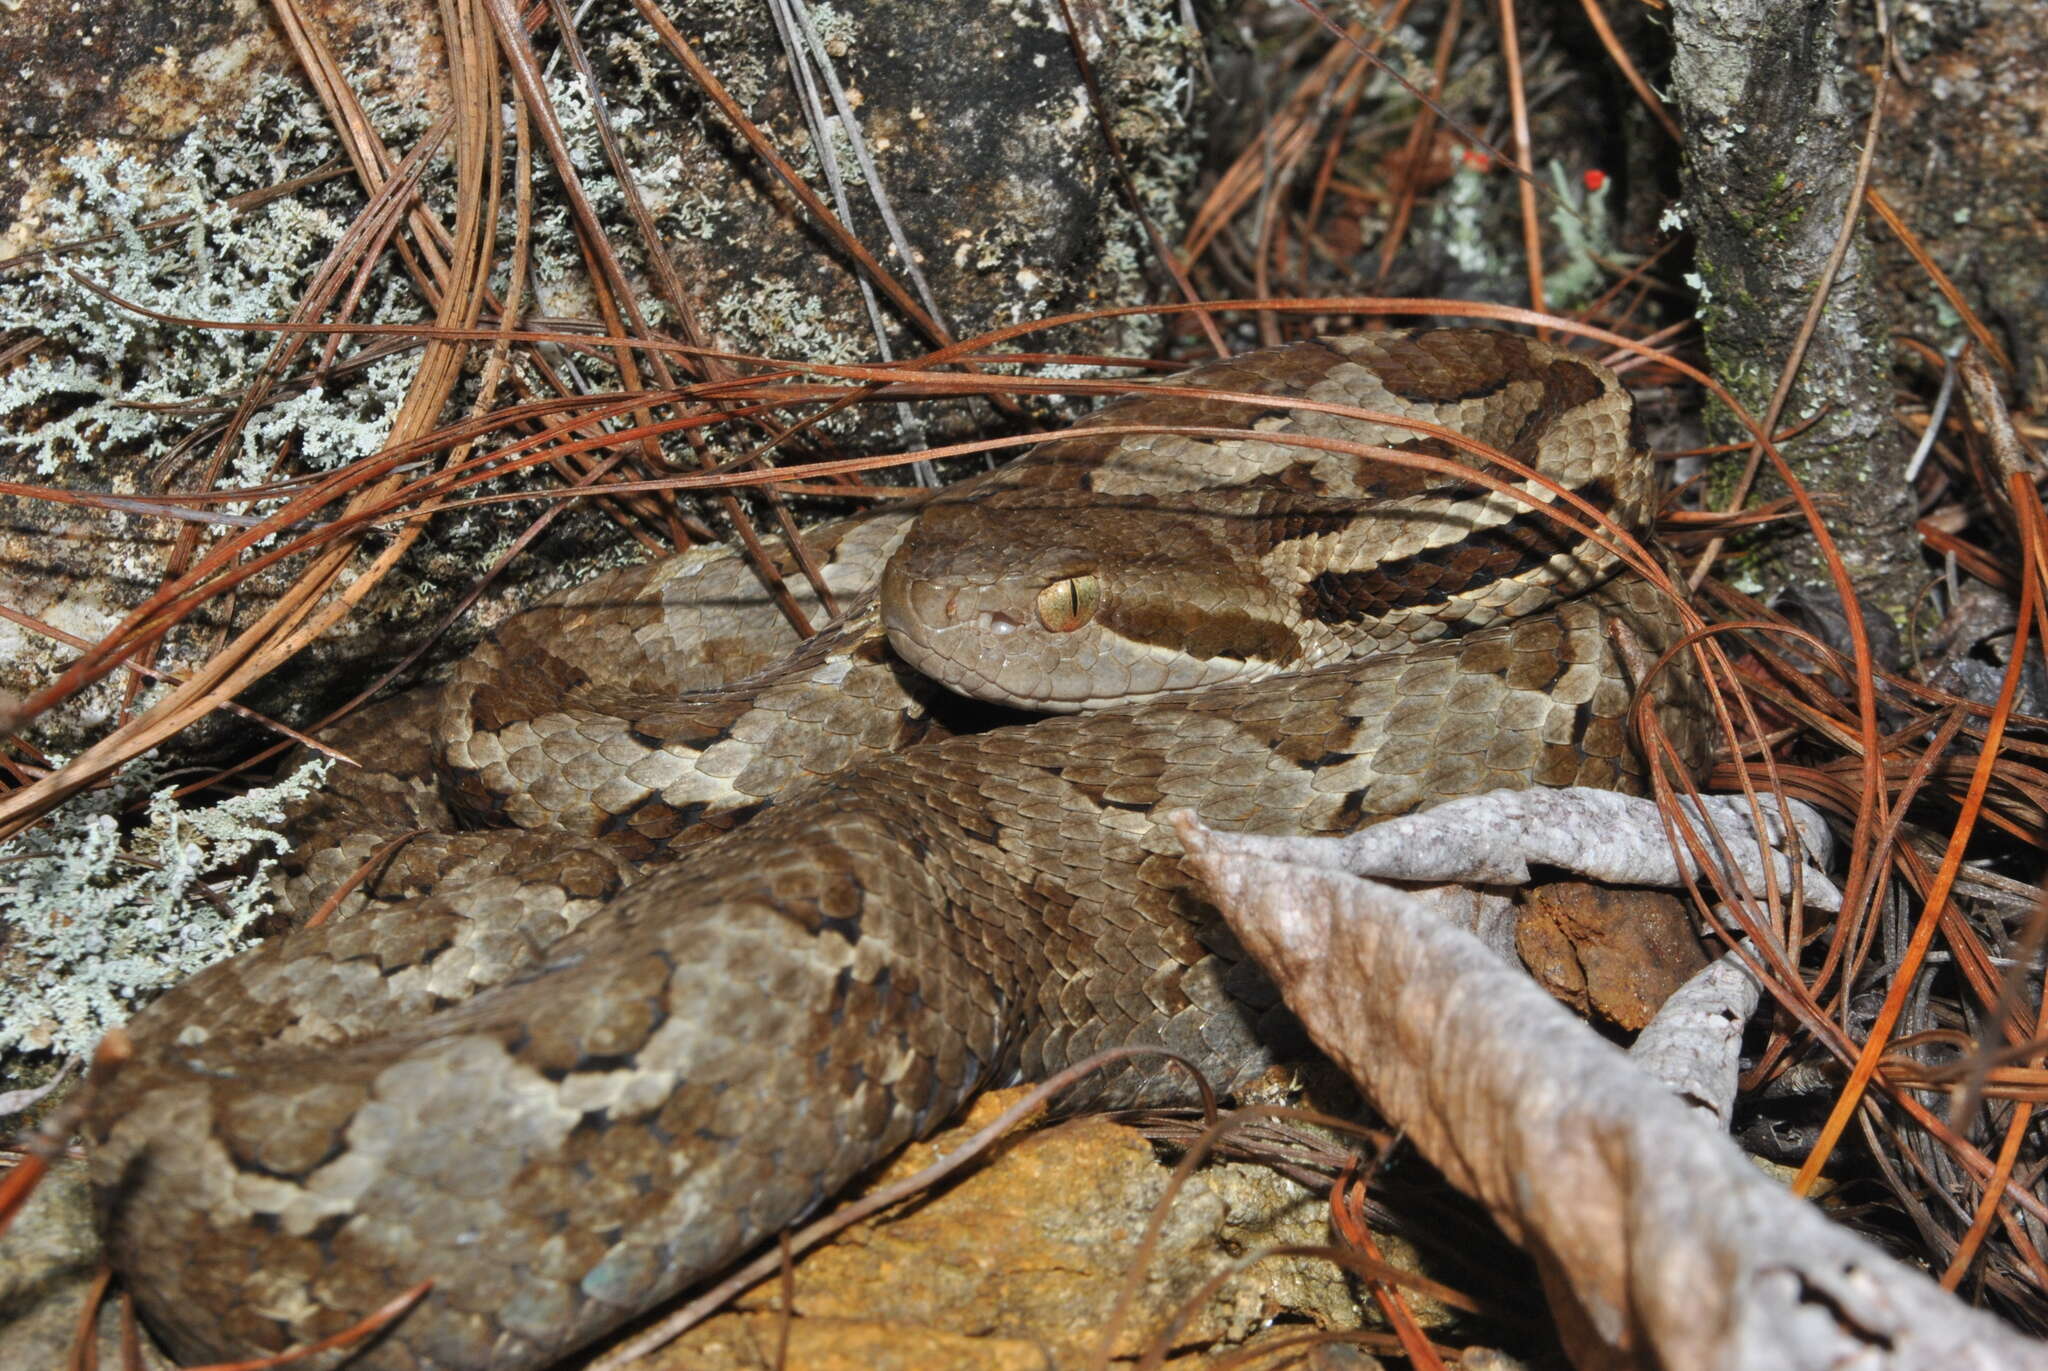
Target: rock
{"points": [[746, 1342], [1021, 1261], [47, 1261], [1608, 953]]}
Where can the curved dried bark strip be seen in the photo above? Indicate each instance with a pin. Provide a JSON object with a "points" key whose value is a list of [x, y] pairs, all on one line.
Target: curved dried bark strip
{"points": [[1659, 1244]]}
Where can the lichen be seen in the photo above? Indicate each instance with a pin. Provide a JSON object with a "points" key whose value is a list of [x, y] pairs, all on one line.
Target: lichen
{"points": [[102, 919], [839, 32], [111, 379], [1581, 217], [1458, 220], [784, 320]]}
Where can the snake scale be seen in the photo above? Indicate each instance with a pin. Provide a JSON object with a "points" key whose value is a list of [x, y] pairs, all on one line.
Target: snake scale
{"points": [[682, 954]]}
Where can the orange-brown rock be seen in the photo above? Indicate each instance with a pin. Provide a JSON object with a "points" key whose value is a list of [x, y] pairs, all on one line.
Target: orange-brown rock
{"points": [[1608, 953], [1020, 1263]]}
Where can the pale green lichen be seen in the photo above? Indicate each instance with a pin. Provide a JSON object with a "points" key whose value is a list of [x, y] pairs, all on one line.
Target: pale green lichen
{"points": [[1458, 220], [1581, 217], [101, 920], [1152, 93], [784, 320], [838, 32], [124, 892], [110, 379]]}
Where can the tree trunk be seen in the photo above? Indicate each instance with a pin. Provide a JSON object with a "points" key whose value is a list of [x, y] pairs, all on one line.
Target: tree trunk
{"points": [[1771, 147]]}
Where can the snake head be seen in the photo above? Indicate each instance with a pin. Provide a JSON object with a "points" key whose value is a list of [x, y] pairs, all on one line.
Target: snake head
{"points": [[1060, 601]]}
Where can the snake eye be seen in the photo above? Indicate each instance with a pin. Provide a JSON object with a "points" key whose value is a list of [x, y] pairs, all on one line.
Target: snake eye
{"points": [[1065, 605]]}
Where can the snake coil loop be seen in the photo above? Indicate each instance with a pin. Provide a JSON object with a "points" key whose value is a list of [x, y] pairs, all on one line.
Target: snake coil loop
{"points": [[720, 948]]}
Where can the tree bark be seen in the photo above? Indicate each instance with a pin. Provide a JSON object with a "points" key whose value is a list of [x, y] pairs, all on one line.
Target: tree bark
{"points": [[1771, 146]]}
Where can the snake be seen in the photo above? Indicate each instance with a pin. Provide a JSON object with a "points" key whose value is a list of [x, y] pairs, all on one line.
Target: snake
{"points": [[677, 922]]}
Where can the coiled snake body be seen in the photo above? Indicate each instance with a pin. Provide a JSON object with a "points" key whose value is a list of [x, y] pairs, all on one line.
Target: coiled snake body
{"points": [[570, 1063]]}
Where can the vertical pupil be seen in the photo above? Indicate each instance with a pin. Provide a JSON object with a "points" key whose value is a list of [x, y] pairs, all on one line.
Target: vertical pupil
{"points": [[1068, 603]]}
